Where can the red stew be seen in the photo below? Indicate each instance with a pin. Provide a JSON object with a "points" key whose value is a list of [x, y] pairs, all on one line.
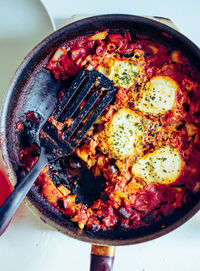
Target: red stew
{"points": [[136, 193]]}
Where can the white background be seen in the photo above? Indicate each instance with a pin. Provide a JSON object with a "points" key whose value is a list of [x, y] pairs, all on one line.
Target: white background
{"points": [[29, 244]]}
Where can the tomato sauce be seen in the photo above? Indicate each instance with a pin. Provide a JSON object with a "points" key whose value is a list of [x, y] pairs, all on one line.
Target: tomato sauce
{"points": [[122, 202]]}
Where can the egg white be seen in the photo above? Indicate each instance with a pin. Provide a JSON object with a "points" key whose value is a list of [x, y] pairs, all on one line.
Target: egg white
{"points": [[124, 73], [160, 166], [123, 134], [158, 95]]}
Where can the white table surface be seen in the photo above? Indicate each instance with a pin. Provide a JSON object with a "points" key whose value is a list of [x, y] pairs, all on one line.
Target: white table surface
{"points": [[29, 244]]}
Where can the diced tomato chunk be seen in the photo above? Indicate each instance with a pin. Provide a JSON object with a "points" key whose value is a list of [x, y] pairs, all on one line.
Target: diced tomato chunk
{"points": [[127, 36], [78, 53], [147, 200], [90, 46], [127, 48], [69, 66], [101, 48], [117, 39]]}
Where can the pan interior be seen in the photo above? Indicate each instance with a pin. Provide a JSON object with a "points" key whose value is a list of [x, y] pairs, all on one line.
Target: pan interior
{"points": [[25, 94]]}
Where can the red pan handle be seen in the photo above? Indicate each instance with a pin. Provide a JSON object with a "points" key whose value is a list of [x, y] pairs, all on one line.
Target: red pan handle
{"points": [[102, 258]]}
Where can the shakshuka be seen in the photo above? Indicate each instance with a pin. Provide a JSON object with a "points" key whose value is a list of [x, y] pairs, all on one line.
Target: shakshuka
{"points": [[143, 151]]}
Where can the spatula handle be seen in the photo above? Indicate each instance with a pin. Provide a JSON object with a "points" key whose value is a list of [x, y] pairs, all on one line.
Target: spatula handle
{"points": [[102, 258], [9, 207]]}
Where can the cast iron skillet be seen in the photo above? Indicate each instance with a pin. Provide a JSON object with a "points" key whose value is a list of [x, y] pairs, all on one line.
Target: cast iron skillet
{"points": [[24, 94]]}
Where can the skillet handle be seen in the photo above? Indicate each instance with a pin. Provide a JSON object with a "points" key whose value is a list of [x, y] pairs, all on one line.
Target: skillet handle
{"points": [[9, 207], [102, 258]]}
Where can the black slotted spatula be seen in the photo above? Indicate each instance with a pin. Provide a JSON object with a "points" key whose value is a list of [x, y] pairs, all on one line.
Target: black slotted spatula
{"points": [[98, 91]]}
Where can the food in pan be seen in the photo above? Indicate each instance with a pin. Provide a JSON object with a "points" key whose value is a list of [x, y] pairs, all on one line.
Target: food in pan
{"points": [[143, 151]]}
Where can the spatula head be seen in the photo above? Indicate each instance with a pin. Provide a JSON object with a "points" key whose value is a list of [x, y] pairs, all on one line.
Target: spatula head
{"points": [[90, 86]]}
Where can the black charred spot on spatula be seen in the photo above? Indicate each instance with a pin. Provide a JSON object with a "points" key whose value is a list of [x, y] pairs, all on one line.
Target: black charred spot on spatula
{"points": [[74, 175]]}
